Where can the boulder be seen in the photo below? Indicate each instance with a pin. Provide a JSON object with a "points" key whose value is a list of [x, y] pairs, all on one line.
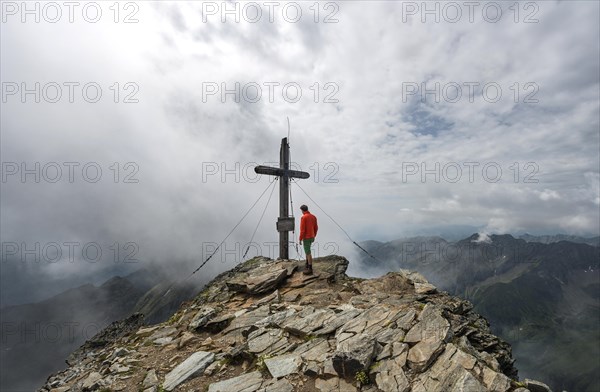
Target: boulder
{"points": [[354, 354], [259, 281]]}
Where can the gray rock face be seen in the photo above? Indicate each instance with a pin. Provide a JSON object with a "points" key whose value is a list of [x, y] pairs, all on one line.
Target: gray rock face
{"points": [[308, 320], [495, 381], [316, 350], [389, 371], [118, 368], [151, 379], [163, 341], [258, 281], [334, 267], [248, 382], [423, 354], [455, 378], [266, 341], [424, 288], [219, 323], [282, 385], [163, 333], [354, 354], [202, 317], [429, 334], [282, 366], [276, 319], [192, 366], [248, 319], [335, 321], [432, 326], [392, 381], [92, 382], [450, 372], [383, 322], [536, 386], [334, 385]]}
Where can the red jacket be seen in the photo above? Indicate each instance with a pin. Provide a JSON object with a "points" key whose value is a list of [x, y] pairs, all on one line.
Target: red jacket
{"points": [[308, 226]]}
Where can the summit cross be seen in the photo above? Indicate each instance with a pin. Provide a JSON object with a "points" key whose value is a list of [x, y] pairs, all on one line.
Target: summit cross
{"points": [[285, 223]]}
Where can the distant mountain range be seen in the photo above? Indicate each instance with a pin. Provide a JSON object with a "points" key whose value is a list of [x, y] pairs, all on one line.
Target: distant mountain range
{"points": [[548, 239], [38, 337], [542, 297], [541, 294]]}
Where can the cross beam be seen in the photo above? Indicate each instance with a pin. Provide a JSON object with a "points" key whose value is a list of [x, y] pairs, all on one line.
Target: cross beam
{"points": [[285, 223]]}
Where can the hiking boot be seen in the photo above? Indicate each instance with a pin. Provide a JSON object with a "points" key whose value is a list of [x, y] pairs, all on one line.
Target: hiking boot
{"points": [[308, 270]]}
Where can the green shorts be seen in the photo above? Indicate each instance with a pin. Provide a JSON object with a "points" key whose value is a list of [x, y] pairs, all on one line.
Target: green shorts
{"points": [[307, 242]]}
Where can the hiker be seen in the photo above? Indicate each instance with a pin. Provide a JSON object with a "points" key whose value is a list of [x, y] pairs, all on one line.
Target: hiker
{"points": [[308, 232]]}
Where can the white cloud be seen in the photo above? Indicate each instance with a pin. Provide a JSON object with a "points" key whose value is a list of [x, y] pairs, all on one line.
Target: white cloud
{"points": [[482, 238], [547, 151], [548, 194]]}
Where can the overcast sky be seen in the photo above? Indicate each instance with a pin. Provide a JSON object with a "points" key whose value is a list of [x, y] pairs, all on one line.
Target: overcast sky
{"points": [[508, 143]]}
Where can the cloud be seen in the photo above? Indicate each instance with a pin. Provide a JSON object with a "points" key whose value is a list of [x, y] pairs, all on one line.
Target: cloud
{"points": [[548, 194], [508, 165], [482, 238]]}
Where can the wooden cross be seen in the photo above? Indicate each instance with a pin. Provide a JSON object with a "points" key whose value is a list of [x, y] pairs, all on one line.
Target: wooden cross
{"points": [[285, 223]]}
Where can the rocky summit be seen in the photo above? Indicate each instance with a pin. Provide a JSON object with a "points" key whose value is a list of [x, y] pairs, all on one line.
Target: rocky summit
{"points": [[264, 326]]}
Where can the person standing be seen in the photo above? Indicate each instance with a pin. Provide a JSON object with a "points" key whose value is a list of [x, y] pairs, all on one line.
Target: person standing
{"points": [[308, 232]]}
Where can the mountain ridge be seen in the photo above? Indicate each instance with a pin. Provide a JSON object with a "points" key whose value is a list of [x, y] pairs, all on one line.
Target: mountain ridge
{"points": [[542, 298], [549, 238], [265, 326]]}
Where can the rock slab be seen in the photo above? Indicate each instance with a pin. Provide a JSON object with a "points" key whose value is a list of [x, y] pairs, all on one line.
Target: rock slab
{"points": [[194, 365], [248, 382]]}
